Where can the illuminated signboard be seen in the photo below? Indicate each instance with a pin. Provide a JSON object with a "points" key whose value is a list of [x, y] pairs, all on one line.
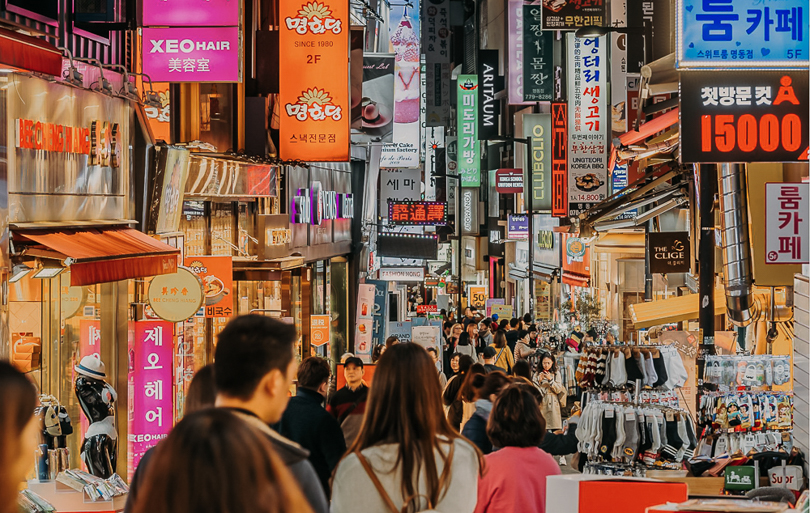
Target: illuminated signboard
{"points": [[427, 213], [565, 15], [313, 206], [538, 128], [193, 54], [751, 116], [190, 13], [469, 149], [509, 181], [786, 223], [559, 159]]}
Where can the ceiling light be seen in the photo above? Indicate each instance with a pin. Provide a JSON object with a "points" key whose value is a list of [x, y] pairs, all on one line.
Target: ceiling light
{"points": [[18, 272], [48, 269]]}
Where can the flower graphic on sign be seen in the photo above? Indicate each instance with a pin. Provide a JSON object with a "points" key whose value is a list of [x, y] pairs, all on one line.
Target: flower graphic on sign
{"points": [[315, 104], [315, 17]]}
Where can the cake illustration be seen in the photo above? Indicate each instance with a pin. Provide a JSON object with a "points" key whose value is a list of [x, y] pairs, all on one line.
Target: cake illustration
{"points": [[406, 80]]}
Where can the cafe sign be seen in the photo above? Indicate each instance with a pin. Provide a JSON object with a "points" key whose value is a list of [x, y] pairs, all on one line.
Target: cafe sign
{"points": [[175, 297], [669, 252]]}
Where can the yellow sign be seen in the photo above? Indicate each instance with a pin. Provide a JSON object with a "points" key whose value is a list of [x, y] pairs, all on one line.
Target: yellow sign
{"points": [[319, 329], [478, 296], [176, 297], [503, 311]]}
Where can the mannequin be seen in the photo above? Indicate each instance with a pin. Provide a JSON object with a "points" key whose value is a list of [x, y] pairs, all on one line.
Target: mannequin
{"points": [[97, 399]]}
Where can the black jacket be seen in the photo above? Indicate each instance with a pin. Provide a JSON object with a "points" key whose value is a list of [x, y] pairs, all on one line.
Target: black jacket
{"points": [[476, 431], [306, 422], [557, 445]]}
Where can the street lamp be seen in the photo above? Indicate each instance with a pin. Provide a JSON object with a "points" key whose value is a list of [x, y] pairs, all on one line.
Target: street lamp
{"points": [[457, 214]]}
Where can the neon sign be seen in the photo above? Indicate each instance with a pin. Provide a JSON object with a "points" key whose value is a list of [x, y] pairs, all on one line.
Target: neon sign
{"points": [[313, 206]]}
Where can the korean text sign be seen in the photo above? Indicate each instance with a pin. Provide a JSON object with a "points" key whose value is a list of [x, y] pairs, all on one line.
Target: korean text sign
{"points": [[314, 80], [469, 150], [737, 116], [587, 122], [195, 54], [787, 226], [572, 14], [538, 128], [559, 159], [216, 273], [715, 33], [190, 13], [151, 377], [538, 70]]}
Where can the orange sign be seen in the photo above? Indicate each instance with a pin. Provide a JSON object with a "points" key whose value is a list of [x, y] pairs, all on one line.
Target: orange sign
{"points": [[319, 329], [314, 80], [216, 273]]}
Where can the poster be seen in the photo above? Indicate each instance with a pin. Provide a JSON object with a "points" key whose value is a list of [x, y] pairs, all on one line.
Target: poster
{"points": [[538, 127], [429, 336], [380, 310], [787, 228], [542, 300], [538, 45], [588, 144], [570, 15], [319, 326], [502, 311], [469, 149], [365, 321], [494, 301], [216, 273], [377, 102], [401, 330], [478, 296]]}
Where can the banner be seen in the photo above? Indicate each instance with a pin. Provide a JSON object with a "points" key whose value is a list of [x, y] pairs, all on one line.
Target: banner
{"points": [[436, 31], [565, 15], [538, 45], [319, 327], [618, 68], [193, 54], [488, 107], [669, 252], [401, 330], [502, 311], [559, 159], [380, 310], [365, 321], [587, 131], [434, 159], [377, 103], [516, 56], [315, 109], [787, 229], [437, 85], [469, 149], [538, 128], [216, 273]]}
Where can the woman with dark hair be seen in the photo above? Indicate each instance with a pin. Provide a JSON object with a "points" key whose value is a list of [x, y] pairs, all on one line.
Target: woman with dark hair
{"points": [[523, 369], [517, 427], [213, 462], [503, 356], [451, 397], [464, 346], [550, 382], [476, 428], [406, 455], [468, 392], [377, 352], [19, 431], [202, 391]]}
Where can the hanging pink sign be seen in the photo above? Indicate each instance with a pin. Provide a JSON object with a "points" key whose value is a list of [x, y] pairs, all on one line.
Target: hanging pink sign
{"points": [[190, 13], [202, 54]]}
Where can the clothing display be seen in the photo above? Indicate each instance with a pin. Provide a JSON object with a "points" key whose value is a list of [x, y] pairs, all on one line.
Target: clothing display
{"points": [[619, 366], [746, 411], [759, 370]]}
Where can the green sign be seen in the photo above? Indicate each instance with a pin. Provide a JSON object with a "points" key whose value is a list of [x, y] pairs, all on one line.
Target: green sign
{"points": [[469, 148], [740, 478]]}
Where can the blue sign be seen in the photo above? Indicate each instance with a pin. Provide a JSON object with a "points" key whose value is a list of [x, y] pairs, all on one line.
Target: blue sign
{"points": [[401, 330], [743, 34], [380, 309], [517, 227], [620, 181]]}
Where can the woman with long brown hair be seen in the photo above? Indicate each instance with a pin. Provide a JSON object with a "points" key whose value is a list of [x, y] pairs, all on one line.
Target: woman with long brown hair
{"points": [[18, 433], [469, 389], [503, 356], [214, 462], [406, 456]]}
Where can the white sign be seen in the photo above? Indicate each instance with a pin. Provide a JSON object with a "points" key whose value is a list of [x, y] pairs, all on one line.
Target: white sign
{"points": [[787, 228], [469, 211], [402, 273], [364, 321], [399, 185], [588, 126], [428, 336]]}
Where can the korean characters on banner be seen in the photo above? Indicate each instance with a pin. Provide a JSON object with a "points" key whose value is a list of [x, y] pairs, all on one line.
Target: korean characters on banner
{"points": [[787, 227], [398, 185], [436, 31], [559, 159], [380, 308], [314, 80], [739, 116], [216, 273], [469, 149], [538, 127], [743, 34], [587, 124], [365, 321], [618, 68], [151, 400], [193, 54], [538, 45], [572, 14]]}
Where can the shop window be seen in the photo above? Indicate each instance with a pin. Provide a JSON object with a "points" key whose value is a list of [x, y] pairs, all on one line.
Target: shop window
{"points": [[216, 115]]}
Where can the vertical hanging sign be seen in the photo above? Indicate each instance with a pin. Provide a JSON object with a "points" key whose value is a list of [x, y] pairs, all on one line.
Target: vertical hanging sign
{"points": [[515, 46], [538, 70], [489, 108], [538, 127], [559, 159], [469, 154], [587, 130], [314, 83]]}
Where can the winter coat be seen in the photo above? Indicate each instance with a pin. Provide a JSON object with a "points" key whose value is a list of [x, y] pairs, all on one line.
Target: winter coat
{"points": [[553, 391]]}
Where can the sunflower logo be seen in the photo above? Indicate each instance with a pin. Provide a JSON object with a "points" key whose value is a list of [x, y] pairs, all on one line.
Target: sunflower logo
{"points": [[315, 10], [315, 96]]}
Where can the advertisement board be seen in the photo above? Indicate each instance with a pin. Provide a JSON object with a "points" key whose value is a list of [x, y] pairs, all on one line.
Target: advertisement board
{"points": [[538, 127], [216, 274], [193, 54], [488, 84], [669, 252], [469, 149], [417, 213], [478, 296], [517, 227], [509, 181], [377, 100], [559, 159], [538, 46], [565, 15], [364, 321], [787, 228], [190, 13], [319, 330]]}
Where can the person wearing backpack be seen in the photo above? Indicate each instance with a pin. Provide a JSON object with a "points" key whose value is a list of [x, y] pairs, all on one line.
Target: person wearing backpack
{"points": [[504, 356], [407, 457]]}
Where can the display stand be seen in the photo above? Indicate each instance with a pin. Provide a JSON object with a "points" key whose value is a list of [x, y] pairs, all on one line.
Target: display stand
{"points": [[67, 500]]}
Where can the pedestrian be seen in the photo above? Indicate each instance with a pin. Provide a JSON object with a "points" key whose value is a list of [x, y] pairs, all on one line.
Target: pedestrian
{"points": [[473, 381], [348, 404], [447, 328], [307, 423], [554, 394], [214, 462], [475, 430], [19, 433], [390, 341], [527, 321], [516, 426], [407, 455], [452, 342], [503, 324], [453, 368], [450, 396], [377, 352], [253, 369], [484, 333], [522, 348], [504, 358], [466, 343], [556, 443], [523, 369], [512, 334], [488, 355], [434, 354]]}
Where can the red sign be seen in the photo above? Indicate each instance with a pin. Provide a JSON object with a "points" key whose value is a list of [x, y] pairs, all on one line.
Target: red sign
{"points": [[427, 309], [420, 213], [559, 159], [509, 181], [216, 273]]}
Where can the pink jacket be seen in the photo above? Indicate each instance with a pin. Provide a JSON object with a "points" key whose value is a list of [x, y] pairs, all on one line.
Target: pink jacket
{"points": [[503, 490]]}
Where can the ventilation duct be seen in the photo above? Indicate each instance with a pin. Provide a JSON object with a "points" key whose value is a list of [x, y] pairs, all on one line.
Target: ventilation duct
{"points": [[736, 243]]}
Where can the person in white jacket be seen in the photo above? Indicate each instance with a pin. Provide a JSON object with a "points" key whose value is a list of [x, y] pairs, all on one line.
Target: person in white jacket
{"points": [[406, 453]]}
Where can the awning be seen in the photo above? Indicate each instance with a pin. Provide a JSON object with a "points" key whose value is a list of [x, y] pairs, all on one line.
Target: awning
{"points": [[575, 280], [29, 53], [676, 309], [212, 176], [100, 255], [632, 243]]}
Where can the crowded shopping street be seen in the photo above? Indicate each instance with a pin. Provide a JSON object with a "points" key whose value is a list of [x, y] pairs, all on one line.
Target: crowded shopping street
{"points": [[402, 256]]}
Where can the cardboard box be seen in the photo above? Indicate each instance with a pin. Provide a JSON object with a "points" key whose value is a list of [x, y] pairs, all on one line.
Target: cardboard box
{"points": [[602, 494]]}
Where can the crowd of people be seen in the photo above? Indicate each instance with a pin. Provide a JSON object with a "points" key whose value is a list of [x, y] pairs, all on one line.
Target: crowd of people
{"points": [[422, 436]]}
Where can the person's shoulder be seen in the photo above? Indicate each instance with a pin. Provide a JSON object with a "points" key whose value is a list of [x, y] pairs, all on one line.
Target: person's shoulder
{"points": [[465, 452]]}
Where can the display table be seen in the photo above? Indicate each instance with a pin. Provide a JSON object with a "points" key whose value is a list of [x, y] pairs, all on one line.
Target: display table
{"points": [[68, 500], [729, 506], [583, 493], [701, 486]]}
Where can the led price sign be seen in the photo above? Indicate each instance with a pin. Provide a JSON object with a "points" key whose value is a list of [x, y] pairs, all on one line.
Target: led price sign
{"points": [[759, 116], [419, 213], [559, 159]]}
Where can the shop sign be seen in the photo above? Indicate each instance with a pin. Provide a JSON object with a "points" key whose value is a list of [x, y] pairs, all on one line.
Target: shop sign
{"points": [[538, 128], [469, 211], [488, 84], [669, 252], [515, 63], [742, 34], [588, 143], [377, 102], [175, 173], [538, 70], [434, 159], [176, 297], [401, 330], [545, 240], [517, 227], [216, 274], [407, 245], [194, 54], [398, 185], [151, 384], [380, 310], [575, 249], [565, 15], [436, 31], [190, 13], [577, 256], [319, 326], [417, 213], [619, 65], [478, 296], [364, 321], [509, 181], [559, 159], [659, 17], [740, 116], [314, 80], [313, 206], [469, 149], [502, 311], [402, 273], [425, 309], [621, 181], [101, 141], [437, 88], [786, 223]]}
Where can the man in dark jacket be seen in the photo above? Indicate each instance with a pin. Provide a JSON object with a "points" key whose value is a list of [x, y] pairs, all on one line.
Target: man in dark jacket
{"points": [[512, 334], [306, 422], [348, 405]]}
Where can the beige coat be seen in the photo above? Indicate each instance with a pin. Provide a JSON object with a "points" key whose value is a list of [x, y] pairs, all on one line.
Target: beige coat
{"points": [[553, 394]]}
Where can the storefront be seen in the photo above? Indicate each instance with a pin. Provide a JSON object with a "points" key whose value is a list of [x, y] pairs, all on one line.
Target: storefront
{"points": [[546, 264]]}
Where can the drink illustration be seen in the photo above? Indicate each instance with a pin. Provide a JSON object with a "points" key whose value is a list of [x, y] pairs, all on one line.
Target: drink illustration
{"points": [[406, 79]]}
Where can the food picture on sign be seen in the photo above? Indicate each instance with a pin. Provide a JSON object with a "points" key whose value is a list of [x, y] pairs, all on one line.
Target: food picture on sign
{"points": [[588, 182], [377, 100], [216, 273], [565, 15]]}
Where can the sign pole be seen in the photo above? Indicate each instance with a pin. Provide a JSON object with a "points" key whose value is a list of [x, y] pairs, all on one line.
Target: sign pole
{"points": [[528, 199]]}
